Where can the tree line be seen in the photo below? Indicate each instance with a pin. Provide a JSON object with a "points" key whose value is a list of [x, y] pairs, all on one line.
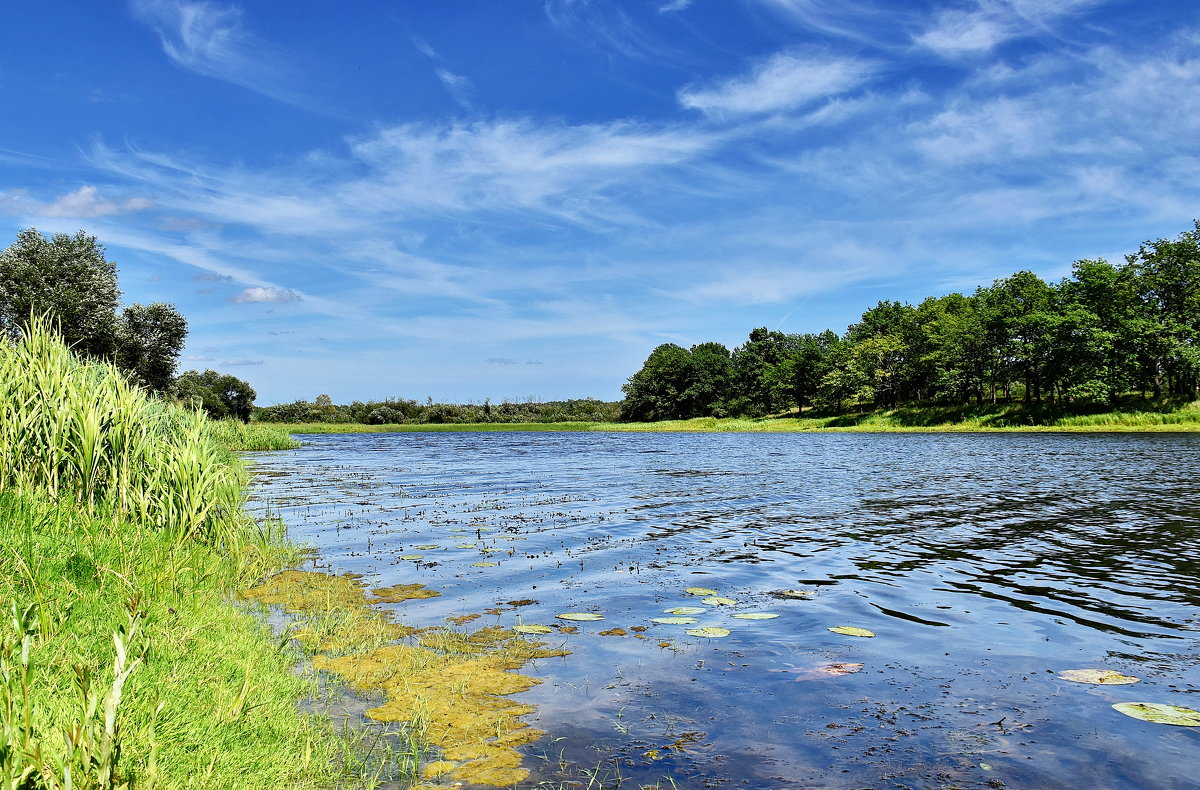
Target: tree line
{"points": [[68, 279], [1104, 332], [398, 411]]}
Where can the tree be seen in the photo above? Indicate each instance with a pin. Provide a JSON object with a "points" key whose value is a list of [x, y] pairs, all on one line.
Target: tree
{"points": [[709, 379], [756, 390], [67, 278], [1168, 276], [656, 392], [149, 341], [221, 396]]}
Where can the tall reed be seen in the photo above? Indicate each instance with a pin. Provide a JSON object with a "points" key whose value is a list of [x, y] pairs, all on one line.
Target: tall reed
{"points": [[81, 433]]}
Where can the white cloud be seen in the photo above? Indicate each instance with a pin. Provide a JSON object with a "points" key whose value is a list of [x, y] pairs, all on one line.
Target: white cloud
{"points": [[86, 202], [989, 23], [674, 5], [782, 82], [259, 294], [210, 39]]}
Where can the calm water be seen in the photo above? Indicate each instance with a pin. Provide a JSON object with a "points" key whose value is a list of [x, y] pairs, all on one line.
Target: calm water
{"points": [[985, 564]]}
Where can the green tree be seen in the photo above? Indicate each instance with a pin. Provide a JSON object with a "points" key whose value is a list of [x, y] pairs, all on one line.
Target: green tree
{"points": [[1168, 276], [756, 389], [656, 392], [66, 278], [220, 395], [709, 378], [149, 341]]}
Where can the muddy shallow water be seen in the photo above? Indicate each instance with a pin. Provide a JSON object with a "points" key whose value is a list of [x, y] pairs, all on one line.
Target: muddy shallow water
{"points": [[985, 564]]}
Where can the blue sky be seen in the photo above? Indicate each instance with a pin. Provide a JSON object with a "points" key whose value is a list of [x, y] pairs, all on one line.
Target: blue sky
{"points": [[479, 199]]}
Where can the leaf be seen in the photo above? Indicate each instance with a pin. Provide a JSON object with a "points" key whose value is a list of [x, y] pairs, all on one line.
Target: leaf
{"points": [[1159, 713], [1104, 677], [466, 546], [793, 594], [754, 616], [533, 629], [411, 557], [686, 610], [716, 600], [675, 620], [484, 564], [427, 547], [850, 630], [709, 631], [700, 591], [579, 616]]}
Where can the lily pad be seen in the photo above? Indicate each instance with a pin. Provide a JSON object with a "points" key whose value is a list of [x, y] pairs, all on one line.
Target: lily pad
{"points": [[700, 591], [466, 546], [850, 630], [411, 557], [1160, 714], [716, 600], [794, 594], [579, 616], [709, 631], [675, 620], [754, 616], [484, 564], [686, 610], [533, 629], [427, 547], [1103, 677]]}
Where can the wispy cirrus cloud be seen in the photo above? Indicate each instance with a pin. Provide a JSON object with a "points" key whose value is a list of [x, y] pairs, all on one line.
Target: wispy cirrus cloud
{"points": [[987, 24], [212, 40], [784, 81]]}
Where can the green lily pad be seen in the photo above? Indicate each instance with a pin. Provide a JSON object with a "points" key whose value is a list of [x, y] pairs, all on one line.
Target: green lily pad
{"points": [[427, 547], [850, 630], [716, 600], [1103, 677], [675, 620], [709, 631], [700, 591], [587, 616], [754, 616], [686, 610], [411, 557], [533, 629], [466, 546], [484, 564], [1160, 714]]}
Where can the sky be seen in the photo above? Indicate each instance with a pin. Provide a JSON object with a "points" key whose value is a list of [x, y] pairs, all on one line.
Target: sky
{"points": [[470, 199]]}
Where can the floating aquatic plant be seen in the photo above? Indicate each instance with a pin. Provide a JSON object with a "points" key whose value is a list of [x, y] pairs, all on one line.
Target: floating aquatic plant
{"points": [[716, 600], [850, 630], [675, 620], [700, 591], [1160, 714], [1103, 677], [686, 610], [585, 616], [709, 632], [533, 629]]}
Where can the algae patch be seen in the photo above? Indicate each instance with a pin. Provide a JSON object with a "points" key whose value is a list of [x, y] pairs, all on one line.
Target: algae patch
{"points": [[449, 686]]}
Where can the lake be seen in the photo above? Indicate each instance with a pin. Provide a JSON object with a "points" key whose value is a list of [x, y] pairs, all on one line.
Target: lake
{"points": [[985, 565]]}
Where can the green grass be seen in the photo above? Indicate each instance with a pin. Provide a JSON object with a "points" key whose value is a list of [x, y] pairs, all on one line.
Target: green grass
{"points": [[1136, 416], [236, 435], [122, 544]]}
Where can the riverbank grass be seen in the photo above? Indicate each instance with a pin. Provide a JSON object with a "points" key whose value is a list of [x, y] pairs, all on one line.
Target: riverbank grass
{"points": [[123, 660], [1137, 415]]}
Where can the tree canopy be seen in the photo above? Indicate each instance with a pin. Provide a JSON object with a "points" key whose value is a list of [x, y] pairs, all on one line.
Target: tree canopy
{"points": [[1107, 330]]}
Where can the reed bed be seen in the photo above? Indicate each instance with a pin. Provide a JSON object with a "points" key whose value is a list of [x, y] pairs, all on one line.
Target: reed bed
{"points": [[122, 543]]}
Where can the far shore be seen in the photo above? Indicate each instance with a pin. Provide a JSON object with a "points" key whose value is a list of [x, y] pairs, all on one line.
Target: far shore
{"points": [[1006, 418]]}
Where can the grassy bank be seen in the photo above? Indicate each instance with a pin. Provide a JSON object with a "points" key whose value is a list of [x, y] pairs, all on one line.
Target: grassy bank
{"points": [[997, 417], [122, 540]]}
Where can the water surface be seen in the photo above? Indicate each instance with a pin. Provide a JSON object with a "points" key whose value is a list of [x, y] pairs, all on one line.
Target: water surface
{"points": [[984, 563]]}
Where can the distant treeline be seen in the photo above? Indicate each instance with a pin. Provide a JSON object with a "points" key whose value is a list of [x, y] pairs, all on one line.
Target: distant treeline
{"points": [[1105, 331], [397, 411]]}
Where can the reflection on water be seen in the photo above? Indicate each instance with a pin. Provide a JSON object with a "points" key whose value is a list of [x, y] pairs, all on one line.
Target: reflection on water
{"points": [[985, 564]]}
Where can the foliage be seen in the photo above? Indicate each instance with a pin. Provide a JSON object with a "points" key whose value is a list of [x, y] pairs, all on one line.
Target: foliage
{"points": [[68, 280], [121, 541], [403, 411], [219, 395], [1106, 331]]}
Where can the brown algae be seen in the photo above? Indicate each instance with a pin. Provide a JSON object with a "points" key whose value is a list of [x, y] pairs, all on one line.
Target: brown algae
{"points": [[449, 686]]}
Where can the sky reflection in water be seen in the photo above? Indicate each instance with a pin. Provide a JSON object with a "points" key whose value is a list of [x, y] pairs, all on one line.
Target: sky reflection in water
{"points": [[985, 564]]}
